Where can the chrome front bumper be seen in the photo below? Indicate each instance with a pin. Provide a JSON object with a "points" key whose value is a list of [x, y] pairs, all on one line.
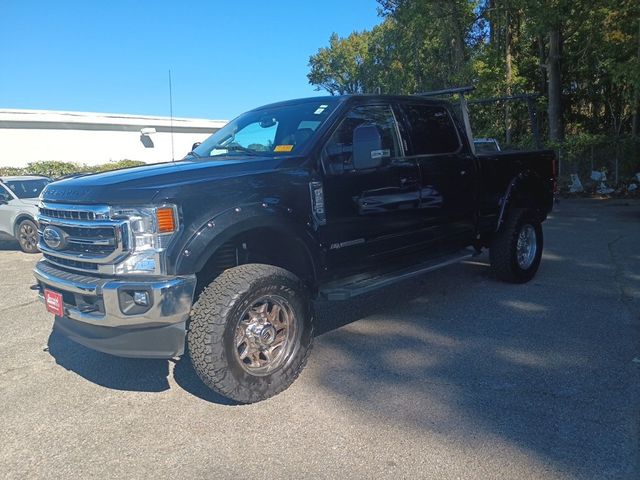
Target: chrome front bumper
{"points": [[98, 316]]}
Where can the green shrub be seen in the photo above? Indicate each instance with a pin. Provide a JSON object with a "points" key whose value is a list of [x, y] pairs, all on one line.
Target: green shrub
{"points": [[116, 165], [55, 169], [8, 171]]}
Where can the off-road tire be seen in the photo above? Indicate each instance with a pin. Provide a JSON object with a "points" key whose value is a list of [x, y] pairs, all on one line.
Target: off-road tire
{"points": [[214, 318], [504, 245], [27, 236]]}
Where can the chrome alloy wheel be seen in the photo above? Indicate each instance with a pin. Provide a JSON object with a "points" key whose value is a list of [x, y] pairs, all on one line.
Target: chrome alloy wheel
{"points": [[526, 247], [266, 336], [28, 236]]}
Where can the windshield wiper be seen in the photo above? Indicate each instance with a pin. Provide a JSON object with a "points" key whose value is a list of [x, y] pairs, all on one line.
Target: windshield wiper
{"points": [[235, 148]]}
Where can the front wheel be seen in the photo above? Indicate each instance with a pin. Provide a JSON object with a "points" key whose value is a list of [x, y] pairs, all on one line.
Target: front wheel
{"points": [[27, 236], [516, 249], [251, 332]]}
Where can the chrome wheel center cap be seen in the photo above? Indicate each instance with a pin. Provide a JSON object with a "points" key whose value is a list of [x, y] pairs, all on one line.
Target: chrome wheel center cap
{"points": [[264, 334]]}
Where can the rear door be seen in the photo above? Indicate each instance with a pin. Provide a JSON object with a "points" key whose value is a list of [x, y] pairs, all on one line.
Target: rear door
{"points": [[447, 172], [374, 211]]}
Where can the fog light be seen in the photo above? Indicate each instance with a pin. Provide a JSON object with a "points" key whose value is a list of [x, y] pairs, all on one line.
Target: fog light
{"points": [[134, 302], [141, 298]]}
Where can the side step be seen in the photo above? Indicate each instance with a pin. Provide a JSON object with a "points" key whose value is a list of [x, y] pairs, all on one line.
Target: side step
{"points": [[355, 285]]}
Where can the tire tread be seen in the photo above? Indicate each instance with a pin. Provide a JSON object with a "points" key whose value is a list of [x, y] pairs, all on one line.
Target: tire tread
{"points": [[502, 248], [209, 317]]}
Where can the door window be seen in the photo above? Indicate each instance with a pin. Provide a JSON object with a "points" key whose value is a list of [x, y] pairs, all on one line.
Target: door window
{"points": [[339, 149], [27, 188], [4, 195], [431, 130]]}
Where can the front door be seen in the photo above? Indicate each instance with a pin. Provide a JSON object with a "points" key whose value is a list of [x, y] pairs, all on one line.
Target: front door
{"points": [[373, 211]]}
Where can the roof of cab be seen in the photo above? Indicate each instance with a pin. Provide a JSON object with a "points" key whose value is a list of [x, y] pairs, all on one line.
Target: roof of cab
{"points": [[357, 99]]}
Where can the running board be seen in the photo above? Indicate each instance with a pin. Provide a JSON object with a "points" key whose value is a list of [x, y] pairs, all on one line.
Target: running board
{"points": [[355, 285]]}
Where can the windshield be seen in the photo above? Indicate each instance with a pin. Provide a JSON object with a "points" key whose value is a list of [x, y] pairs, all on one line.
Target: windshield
{"points": [[272, 131], [27, 188]]}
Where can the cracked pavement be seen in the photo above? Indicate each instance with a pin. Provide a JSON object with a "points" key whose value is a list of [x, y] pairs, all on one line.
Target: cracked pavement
{"points": [[452, 375]]}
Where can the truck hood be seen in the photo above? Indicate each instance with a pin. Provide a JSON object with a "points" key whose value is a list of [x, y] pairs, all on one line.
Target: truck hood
{"points": [[153, 183]]}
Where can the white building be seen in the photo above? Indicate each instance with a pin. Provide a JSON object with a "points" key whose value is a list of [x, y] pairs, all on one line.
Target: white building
{"points": [[94, 138]]}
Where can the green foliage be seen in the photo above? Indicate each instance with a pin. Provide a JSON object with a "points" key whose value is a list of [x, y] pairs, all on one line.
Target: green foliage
{"points": [[55, 169], [419, 46], [9, 171], [114, 165], [339, 68]]}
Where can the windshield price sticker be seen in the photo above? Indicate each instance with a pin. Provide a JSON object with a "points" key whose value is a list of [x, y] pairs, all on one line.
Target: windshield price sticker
{"points": [[283, 148]]}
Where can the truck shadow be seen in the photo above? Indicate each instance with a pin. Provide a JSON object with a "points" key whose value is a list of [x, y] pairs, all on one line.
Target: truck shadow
{"points": [[129, 374], [139, 375]]}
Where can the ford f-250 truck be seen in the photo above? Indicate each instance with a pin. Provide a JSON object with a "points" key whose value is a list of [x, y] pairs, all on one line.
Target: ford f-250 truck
{"points": [[224, 251]]}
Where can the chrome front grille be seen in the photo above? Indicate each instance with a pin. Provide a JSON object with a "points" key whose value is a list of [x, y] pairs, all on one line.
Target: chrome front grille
{"points": [[68, 214], [90, 240]]}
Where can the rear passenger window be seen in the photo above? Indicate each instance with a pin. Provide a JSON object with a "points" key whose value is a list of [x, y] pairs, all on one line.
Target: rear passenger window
{"points": [[431, 130]]}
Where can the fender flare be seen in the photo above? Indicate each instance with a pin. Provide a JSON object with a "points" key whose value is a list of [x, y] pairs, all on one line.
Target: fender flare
{"points": [[525, 180], [192, 254]]}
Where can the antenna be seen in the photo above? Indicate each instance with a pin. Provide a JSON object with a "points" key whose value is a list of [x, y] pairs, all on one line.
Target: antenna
{"points": [[173, 158]]}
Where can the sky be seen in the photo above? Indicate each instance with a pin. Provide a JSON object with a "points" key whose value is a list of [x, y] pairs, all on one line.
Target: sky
{"points": [[114, 56]]}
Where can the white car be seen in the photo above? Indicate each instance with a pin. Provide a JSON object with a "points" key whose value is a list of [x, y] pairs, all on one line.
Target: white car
{"points": [[18, 208]]}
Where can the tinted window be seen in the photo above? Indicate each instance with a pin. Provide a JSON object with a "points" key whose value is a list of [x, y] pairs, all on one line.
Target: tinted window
{"points": [[338, 150], [27, 188], [431, 130]]}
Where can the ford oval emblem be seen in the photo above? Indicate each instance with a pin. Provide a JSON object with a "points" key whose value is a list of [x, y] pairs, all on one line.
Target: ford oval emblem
{"points": [[53, 237]]}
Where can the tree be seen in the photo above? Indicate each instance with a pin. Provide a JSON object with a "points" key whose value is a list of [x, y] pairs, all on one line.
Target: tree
{"points": [[338, 68]]}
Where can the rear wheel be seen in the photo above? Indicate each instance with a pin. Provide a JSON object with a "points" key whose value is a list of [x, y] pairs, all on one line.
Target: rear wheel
{"points": [[516, 249], [251, 332], [27, 236]]}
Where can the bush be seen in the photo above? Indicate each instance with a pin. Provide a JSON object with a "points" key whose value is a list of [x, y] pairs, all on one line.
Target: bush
{"points": [[105, 167], [8, 171], [54, 169]]}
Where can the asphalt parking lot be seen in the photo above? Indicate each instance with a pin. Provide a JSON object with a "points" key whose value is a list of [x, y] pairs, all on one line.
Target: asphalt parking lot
{"points": [[454, 375]]}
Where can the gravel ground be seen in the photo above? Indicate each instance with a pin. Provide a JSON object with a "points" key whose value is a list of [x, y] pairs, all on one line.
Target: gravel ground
{"points": [[454, 375]]}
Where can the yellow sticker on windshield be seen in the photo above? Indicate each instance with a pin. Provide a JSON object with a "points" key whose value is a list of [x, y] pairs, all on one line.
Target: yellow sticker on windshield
{"points": [[283, 148]]}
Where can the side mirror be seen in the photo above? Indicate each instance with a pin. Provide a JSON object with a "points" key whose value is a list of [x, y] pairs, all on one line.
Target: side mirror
{"points": [[367, 147], [195, 145]]}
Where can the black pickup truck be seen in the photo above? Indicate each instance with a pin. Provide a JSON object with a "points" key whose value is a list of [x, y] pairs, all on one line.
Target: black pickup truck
{"points": [[224, 251]]}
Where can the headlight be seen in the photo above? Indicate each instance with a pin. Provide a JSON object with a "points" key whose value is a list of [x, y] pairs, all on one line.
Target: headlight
{"points": [[152, 229]]}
